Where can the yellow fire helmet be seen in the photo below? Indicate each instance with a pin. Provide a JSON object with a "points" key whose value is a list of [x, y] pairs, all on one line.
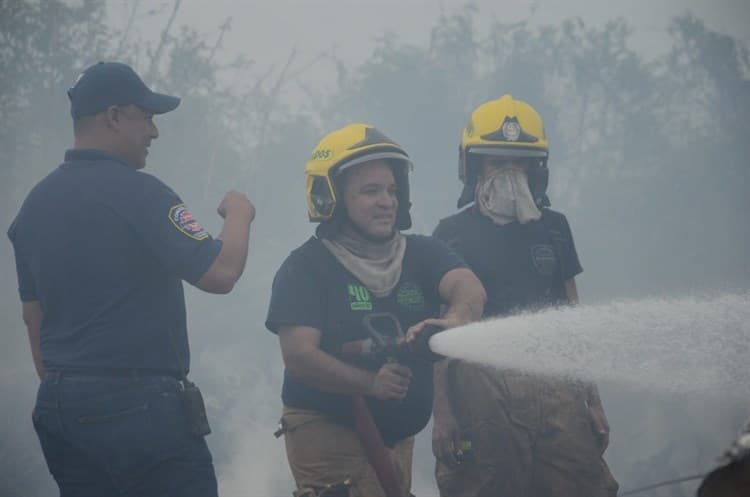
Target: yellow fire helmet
{"points": [[346, 147], [508, 128]]}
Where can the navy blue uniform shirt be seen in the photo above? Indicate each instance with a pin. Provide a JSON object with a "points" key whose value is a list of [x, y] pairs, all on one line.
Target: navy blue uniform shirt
{"points": [[103, 248]]}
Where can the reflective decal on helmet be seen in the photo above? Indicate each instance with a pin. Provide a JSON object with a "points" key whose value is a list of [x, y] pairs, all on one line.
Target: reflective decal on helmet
{"points": [[322, 154], [510, 131]]}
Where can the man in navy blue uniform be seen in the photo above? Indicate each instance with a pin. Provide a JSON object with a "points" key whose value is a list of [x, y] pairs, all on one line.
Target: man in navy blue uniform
{"points": [[358, 268], [101, 251]]}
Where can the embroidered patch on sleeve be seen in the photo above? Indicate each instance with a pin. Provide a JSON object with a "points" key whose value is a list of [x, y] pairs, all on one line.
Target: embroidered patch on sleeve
{"points": [[186, 223]]}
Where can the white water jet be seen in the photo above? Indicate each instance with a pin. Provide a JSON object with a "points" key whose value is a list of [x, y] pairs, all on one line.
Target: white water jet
{"points": [[694, 345]]}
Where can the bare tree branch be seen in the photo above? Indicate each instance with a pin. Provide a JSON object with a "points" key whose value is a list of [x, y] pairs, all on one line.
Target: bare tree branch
{"points": [[269, 107], [326, 53], [162, 42], [223, 29], [128, 27]]}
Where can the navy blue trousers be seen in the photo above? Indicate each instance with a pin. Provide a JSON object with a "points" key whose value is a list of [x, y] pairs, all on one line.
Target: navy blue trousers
{"points": [[120, 437]]}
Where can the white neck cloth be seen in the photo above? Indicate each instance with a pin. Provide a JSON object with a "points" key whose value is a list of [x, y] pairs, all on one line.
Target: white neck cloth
{"points": [[504, 196], [376, 265]]}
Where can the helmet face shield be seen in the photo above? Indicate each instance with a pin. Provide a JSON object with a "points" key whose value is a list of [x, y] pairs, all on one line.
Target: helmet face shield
{"points": [[321, 197], [524, 153], [394, 158]]}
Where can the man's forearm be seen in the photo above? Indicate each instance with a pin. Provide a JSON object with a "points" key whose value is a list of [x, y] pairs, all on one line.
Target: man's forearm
{"points": [[32, 317], [36, 353], [235, 236], [464, 295], [466, 302], [325, 372]]}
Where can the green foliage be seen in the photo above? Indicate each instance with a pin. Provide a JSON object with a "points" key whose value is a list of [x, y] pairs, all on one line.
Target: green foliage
{"points": [[634, 144], [41, 45]]}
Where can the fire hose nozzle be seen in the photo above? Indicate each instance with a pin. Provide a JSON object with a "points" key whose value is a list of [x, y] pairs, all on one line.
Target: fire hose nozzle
{"points": [[420, 347], [386, 341]]}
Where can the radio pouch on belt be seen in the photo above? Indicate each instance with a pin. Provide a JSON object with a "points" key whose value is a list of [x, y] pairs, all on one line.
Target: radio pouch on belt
{"points": [[191, 398], [195, 409]]}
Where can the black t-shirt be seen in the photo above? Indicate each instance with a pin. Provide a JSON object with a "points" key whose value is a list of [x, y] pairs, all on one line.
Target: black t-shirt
{"points": [[313, 289], [522, 266], [104, 248]]}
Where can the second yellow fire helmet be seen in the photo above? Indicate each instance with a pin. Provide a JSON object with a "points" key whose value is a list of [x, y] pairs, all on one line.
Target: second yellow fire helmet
{"points": [[346, 147], [504, 127]]}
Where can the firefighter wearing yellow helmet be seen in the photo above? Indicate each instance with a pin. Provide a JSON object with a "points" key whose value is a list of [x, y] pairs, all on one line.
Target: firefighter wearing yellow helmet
{"points": [[342, 149], [504, 128], [359, 273], [506, 432]]}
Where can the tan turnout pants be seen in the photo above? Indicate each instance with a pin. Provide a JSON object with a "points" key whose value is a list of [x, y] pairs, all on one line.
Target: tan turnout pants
{"points": [[322, 453], [531, 437]]}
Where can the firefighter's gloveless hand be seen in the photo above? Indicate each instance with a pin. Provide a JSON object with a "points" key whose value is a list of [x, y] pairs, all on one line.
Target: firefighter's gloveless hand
{"points": [[391, 382], [446, 322], [235, 202]]}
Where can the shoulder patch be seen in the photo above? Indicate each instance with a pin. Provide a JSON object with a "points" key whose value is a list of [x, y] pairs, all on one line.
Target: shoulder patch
{"points": [[186, 223]]}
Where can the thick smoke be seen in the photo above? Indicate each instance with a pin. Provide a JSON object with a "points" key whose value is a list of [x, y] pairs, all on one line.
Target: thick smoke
{"points": [[648, 160]]}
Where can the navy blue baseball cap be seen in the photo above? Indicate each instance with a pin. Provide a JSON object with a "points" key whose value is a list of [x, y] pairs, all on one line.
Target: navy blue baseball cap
{"points": [[113, 83]]}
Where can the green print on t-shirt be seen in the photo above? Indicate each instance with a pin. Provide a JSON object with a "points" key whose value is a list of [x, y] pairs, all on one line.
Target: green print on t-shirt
{"points": [[359, 298]]}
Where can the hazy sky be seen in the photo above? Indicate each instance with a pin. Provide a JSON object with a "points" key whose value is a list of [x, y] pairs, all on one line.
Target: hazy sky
{"points": [[267, 30]]}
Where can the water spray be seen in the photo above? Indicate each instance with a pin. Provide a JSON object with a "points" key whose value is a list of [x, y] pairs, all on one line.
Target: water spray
{"points": [[689, 345], [685, 346]]}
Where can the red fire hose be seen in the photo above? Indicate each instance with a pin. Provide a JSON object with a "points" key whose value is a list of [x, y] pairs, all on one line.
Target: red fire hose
{"points": [[377, 452], [393, 348]]}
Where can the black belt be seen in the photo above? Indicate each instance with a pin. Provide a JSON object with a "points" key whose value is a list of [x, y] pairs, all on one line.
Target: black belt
{"points": [[116, 373]]}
